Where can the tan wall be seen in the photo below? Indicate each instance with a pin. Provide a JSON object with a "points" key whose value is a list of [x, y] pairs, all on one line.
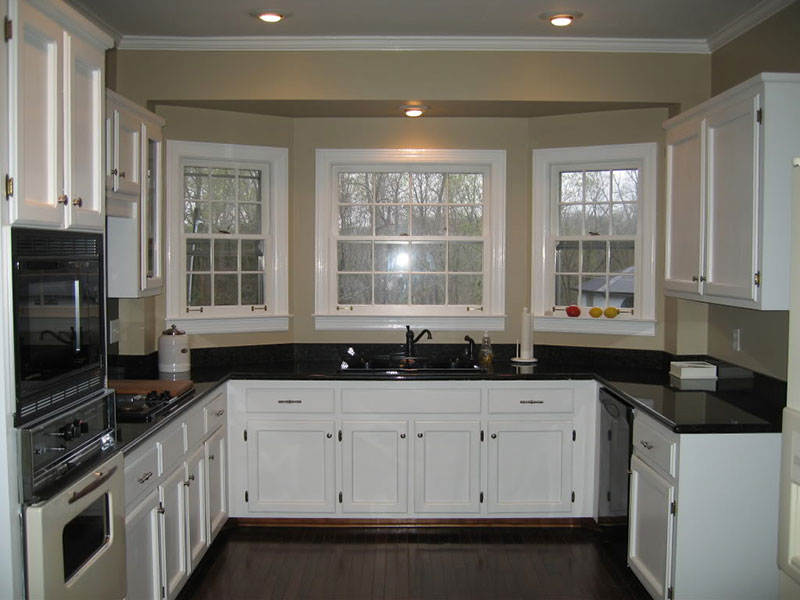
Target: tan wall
{"points": [[774, 45]]}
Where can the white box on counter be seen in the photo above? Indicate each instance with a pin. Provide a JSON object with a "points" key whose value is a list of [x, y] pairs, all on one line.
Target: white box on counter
{"points": [[693, 369]]}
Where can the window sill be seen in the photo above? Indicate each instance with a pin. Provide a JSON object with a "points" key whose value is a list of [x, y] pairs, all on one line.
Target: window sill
{"points": [[604, 326], [230, 324], [438, 323]]}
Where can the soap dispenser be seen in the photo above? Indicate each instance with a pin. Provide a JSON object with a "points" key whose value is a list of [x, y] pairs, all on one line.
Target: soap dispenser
{"points": [[485, 355]]}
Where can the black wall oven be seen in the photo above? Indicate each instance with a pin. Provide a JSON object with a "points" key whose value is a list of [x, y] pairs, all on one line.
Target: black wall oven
{"points": [[59, 320]]}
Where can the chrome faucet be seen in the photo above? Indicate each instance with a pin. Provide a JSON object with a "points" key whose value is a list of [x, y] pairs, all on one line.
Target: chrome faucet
{"points": [[411, 340]]}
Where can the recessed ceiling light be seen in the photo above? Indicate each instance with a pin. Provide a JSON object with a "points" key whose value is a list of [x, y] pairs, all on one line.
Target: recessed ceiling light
{"points": [[413, 110], [561, 19], [271, 16]]}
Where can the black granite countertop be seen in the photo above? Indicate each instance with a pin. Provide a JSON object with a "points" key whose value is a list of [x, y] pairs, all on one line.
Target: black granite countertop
{"points": [[743, 402]]}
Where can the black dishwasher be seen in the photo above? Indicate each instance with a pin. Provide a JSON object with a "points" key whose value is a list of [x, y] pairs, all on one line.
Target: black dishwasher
{"points": [[614, 449]]}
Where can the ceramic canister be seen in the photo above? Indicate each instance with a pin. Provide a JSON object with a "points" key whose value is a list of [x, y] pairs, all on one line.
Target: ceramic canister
{"points": [[173, 351]]}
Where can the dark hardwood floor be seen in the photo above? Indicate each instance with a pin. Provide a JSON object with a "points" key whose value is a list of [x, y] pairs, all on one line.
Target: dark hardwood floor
{"points": [[448, 563]]}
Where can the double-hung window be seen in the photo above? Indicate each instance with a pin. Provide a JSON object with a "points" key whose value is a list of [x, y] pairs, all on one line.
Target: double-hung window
{"points": [[594, 239], [410, 237], [228, 237]]}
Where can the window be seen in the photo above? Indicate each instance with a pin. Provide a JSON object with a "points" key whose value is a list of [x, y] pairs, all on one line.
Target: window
{"points": [[594, 239], [228, 237], [410, 237]]}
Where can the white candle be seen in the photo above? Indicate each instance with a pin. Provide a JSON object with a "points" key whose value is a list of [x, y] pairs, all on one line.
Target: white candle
{"points": [[525, 345]]}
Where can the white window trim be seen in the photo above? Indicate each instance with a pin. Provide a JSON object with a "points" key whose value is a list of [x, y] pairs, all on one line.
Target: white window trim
{"points": [[276, 273], [492, 315], [543, 162]]}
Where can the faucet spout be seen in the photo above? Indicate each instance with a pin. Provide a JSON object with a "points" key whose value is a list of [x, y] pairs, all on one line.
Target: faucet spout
{"points": [[411, 340]]}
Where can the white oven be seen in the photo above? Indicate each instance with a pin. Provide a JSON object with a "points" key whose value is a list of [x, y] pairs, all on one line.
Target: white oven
{"points": [[75, 540]]}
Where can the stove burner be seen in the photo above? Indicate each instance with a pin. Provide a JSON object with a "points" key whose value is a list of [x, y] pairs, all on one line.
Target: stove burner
{"points": [[142, 408]]}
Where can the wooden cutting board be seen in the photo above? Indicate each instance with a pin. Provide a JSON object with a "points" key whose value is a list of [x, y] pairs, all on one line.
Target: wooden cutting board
{"points": [[142, 386]]}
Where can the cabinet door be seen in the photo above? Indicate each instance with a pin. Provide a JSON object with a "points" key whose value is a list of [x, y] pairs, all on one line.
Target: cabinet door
{"points": [[84, 135], [651, 525], [732, 190], [143, 551], [217, 501], [150, 212], [683, 267], [375, 466], [530, 466], [128, 140], [447, 466], [197, 517], [38, 106], [174, 559], [290, 466]]}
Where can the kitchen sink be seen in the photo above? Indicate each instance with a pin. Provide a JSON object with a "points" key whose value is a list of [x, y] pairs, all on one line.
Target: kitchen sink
{"points": [[400, 364]]}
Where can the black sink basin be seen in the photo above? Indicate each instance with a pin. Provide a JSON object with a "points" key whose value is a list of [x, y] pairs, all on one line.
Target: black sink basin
{"points": [[401, 364]]}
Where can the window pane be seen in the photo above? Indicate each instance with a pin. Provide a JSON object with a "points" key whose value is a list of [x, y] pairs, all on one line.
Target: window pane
{"points": [[429, 220], [570, 219], [465, 289], [392, 188], [355, 188], [594, 257], [392, 256], [391, 220], [198, 290], [198, 255], [249, 185], [252, 255], [250, 218], [567, 255], [223, 185], [355, 289], [223, 217], [465, 188], [226, 255], [566, 290], [253, 288], [620, 291], [598, 185], [391, 288], [226, 290], [597, 219], [465, 256], [622, 257], [355, 220], [593, 290], [195, 183], [427, 289], [428, 257], [196, 216], [466, 220], [625, 185], [571, 190], [623, 219], [428, 187], [354, 256]]}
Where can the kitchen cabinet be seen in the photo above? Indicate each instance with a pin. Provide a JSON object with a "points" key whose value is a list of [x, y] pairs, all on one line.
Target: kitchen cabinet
{"points": [[134, 148], [175, 499], [703, 512], [729, 195], [56, 117]]}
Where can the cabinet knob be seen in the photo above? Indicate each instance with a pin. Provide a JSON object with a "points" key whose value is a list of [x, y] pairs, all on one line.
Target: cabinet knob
{"points": [[647, 445], [419, 435], [402, 436], [114, 171], [329, 435], [210, 457], [494, 436], [77, 202], [122, 174], [63, 199], [695, 278]]}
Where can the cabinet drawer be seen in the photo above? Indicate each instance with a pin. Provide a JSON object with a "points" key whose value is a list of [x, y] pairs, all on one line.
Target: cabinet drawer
{"points": [[195, 428], [171, 448], [655, 445], [289, 400], [215, 413], [525, 400], [141, 475], [383, 400]]}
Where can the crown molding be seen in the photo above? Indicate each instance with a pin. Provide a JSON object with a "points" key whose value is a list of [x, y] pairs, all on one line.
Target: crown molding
{"points": [[756, 15], [414, 43]]}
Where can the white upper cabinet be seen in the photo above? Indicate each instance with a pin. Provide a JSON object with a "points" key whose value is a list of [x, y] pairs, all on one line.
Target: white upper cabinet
{"points": [[56, 106], [729, 195]]}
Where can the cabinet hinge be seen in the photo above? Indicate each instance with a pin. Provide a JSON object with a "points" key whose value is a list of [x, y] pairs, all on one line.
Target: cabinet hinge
{"points": [[575, 435], [760, 116], [609, 435], [163, 592], [481, 434], [9, 186], [340, 497], [481, 498], [670, 593], [8, 29], [246, 496], [244, 435], [573, 497], [673, 508], [757, 278], [608, 496], [340, 435]]}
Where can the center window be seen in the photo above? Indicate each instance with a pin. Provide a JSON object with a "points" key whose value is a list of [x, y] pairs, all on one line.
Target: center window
{"points": [[409, 238]]}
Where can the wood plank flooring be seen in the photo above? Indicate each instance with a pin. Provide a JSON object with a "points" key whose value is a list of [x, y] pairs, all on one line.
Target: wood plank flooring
{"points": [[448, 563]]}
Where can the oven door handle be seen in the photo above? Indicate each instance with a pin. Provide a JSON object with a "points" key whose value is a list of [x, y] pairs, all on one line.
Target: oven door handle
{"points": [[100, 478]]}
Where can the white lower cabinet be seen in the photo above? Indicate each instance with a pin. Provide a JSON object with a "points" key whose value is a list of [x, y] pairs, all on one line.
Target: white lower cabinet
{"points": [[176, 500], [422, 449]]}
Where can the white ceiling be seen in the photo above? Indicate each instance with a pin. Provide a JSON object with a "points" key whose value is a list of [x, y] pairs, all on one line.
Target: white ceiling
{"points": [[698, 21]]}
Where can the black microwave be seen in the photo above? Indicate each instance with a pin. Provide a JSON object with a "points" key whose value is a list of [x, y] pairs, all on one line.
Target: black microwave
{"points": [[59, 320]]}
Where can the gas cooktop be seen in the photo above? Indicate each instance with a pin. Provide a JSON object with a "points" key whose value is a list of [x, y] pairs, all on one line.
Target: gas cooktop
{"points": [[140, 401]]}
